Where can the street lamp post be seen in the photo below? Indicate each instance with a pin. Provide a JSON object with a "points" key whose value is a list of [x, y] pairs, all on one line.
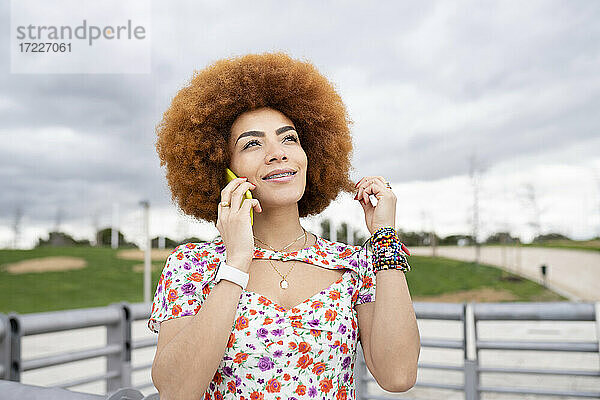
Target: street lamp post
{"points": [[147, 250]]}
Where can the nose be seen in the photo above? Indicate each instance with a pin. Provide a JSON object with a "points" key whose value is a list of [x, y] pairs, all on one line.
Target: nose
{"points": [[276, 152]]}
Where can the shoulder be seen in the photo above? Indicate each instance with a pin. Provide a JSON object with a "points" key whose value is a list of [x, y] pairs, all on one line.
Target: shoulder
{"points": [[196, 255]]}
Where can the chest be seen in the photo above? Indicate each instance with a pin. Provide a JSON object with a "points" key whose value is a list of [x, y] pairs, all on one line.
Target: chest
{"points": [[304, 280]]}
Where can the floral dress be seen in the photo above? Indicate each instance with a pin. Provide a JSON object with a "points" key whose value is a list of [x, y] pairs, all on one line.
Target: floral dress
{"points": [[306, 352]]}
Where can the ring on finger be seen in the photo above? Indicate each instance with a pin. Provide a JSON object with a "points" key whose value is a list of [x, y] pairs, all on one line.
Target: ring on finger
{"points": [[224, 204]]}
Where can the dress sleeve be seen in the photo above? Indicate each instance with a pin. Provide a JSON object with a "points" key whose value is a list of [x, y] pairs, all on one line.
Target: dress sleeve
{"points": [[182, 286], [366, 288]]}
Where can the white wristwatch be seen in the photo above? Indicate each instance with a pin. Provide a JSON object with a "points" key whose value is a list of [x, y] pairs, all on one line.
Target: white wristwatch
{"points": [[232, 274]]}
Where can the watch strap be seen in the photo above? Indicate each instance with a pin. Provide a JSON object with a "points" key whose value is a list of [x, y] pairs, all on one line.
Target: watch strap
{"points": [[232, 274]]}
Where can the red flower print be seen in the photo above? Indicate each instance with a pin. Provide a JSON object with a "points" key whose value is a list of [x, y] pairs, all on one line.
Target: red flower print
{"points": [[286, 377], [330, 315], [303, 347], [231, 340], [176, 309], [231, 386], [252, 312], [355, 296], [167, 284], [273, 386], [241, 323], [367, 282], [218, 395], [344, 348], [206, 396], [329, 335], [345, 253], [292, 345], [316, 304], [172, 295], [304, 361], [325, 262], [334, 294], [326, 385], [179, 256], [315, 333], [203, 254], [248, 376], [197, 309], [190, 302], [257, 396], [190, 245], [264, 300], [296, 324], [318, 368], [295, 310], [341, 394], [240, 358], [217, 378], [206, 290], [267, 321], [301, 390], [196, 276], [354, 325], [212, 266]]}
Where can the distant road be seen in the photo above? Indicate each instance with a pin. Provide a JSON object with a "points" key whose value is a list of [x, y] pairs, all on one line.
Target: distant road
{"points": [[573, 273]]}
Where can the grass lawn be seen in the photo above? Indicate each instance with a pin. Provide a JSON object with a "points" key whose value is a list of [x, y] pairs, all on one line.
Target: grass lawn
{"points": [[107, 279]]}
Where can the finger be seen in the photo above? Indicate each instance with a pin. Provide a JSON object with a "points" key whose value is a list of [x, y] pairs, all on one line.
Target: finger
{"points": [[373, 188], [256, 205], [230, 187], [237, 195], [362, 186]]}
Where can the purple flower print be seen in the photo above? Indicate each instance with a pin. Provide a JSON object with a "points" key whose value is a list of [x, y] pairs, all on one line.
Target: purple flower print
{"points": [[354, 263], [265, 364], [346, 376], [365, 298], [312, 391], [277, 353], [277, 332], [346, 362], [313, 323], [169, 273], [220, 249], [228, 371], [262, 333], [238, 380], [188, 289], [342, 329], [260, 380], [187, 266]]}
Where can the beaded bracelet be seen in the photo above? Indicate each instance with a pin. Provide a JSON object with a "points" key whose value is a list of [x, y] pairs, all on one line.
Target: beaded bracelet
{"points": [[388, 252]]}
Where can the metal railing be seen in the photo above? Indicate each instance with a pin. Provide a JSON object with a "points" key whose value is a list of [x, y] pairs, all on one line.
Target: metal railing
{"points": [[118, 319]]}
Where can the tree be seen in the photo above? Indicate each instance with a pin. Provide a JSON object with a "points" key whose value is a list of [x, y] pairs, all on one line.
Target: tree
{"points": [[501, 237], [61, 239], [104, 239]]}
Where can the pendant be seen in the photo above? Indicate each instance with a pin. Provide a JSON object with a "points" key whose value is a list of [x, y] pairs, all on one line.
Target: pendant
{"points": [[283, 284]]}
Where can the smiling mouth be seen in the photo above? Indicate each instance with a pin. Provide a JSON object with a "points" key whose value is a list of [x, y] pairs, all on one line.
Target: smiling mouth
{"points": [[280, 177]]}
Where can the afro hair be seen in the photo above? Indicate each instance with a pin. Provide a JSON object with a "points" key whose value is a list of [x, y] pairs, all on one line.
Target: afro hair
{"points": [[194, 131]]}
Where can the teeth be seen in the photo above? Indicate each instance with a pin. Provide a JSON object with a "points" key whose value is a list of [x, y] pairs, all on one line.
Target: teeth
{"points": [[278, 175]]}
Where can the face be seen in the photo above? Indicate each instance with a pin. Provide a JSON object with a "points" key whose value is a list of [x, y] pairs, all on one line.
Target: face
{"points": [[264, 140]]}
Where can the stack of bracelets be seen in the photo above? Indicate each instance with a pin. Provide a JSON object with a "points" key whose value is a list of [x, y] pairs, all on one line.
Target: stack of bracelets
{"points": [[388, 252]]}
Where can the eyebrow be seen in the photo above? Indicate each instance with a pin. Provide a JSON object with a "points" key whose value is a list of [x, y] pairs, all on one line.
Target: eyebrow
{"points": [[279, 131]]}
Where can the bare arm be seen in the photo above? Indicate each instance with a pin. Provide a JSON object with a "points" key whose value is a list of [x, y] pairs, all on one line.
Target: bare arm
{"points": [[186, 364]]}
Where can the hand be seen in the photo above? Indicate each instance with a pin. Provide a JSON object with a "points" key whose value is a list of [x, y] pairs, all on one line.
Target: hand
{"points": [[233, 223], [384, 213]]}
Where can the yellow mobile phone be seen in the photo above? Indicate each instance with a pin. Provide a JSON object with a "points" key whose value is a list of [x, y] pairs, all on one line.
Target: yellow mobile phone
{"points": [[231, 176]]}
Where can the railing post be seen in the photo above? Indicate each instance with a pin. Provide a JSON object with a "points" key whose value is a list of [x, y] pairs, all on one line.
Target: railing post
{"points": [[120, 334], [14, 368], [471, 359], [597, 311], [4, 347], [360, 375]]}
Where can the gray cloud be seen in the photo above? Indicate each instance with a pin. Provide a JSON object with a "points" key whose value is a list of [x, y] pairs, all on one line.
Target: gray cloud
{"points": [[427, 85]]}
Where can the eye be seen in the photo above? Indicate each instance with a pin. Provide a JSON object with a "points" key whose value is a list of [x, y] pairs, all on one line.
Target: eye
{"points": [[293, 137]]}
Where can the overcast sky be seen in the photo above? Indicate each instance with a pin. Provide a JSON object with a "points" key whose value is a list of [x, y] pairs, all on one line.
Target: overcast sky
{"points": [[428, 84]]}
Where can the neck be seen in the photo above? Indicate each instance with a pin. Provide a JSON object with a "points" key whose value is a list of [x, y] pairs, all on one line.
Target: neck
{"points": [[279, 226]]}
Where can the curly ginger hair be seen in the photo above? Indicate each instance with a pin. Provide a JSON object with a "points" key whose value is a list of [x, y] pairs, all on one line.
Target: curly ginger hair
{"points": [[194, 131]]}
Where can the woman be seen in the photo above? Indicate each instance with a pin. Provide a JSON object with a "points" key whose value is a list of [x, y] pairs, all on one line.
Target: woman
{"points": [[268, 310]]}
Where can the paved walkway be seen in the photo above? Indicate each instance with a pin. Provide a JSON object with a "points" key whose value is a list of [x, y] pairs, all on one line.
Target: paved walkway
{"points": [[572, 273]]}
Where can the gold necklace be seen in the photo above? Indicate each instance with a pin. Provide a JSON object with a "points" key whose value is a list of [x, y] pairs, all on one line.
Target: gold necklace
{"points": [[284, 283]]}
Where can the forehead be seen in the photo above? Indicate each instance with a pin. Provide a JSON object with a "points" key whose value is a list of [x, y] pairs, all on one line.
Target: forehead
{"points": [[263, 119]]}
